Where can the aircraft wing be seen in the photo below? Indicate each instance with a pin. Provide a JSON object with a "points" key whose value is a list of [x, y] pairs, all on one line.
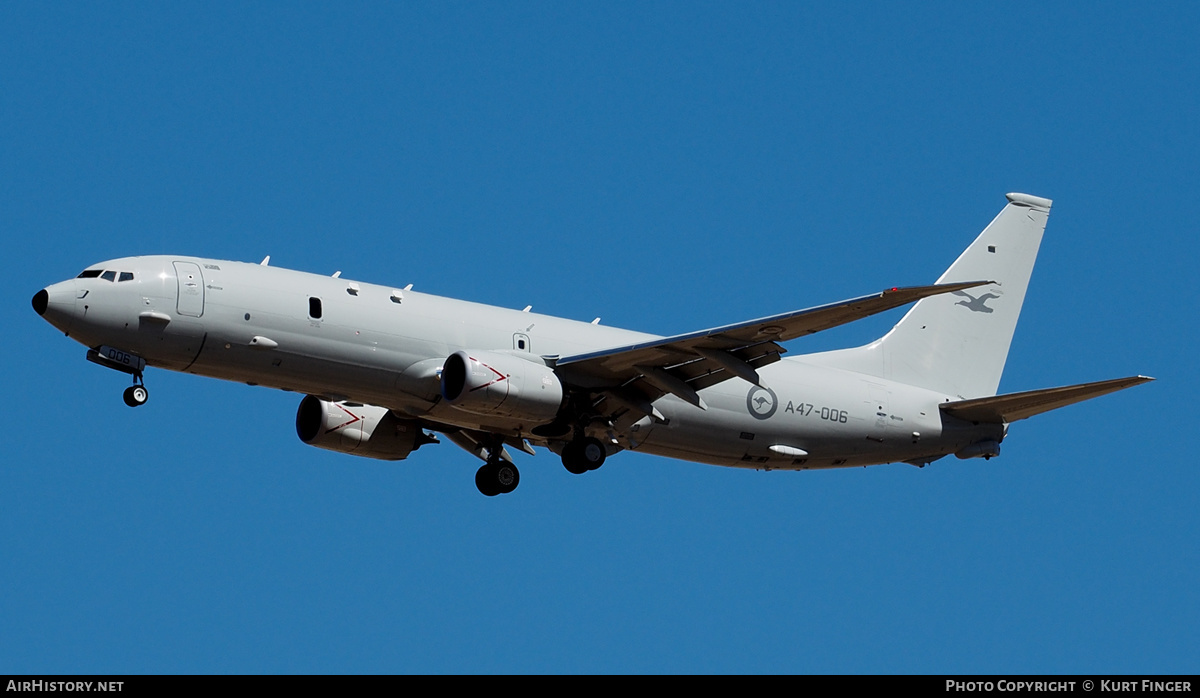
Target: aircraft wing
{"points": [[636, 375], [1009, 408]]}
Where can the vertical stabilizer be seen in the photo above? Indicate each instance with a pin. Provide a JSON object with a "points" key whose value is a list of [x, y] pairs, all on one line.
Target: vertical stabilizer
{"points": [[957, 343]]}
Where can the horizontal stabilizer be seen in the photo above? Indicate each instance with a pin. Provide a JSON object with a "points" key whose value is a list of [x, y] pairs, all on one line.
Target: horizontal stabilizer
{"points": [[1014, 406]]}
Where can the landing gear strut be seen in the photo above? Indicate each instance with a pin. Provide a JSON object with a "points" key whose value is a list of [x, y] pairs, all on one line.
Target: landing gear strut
{"points": [[583, 454]]}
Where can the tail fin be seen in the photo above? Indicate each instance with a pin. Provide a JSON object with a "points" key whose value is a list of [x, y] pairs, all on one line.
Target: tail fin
{"points": [[957, 343]]}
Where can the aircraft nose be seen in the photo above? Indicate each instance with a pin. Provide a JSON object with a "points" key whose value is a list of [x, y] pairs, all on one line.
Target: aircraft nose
{"points": [[41, 299], [56, 304]]}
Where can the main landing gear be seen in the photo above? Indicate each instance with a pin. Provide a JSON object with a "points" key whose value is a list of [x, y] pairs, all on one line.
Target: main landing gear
{"points": [[498, 475], [496, 478], [582, 454]]}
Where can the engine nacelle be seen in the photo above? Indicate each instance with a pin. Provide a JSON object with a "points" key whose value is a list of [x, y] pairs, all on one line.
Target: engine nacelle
{"points": [[494, 384], [362, 430]]}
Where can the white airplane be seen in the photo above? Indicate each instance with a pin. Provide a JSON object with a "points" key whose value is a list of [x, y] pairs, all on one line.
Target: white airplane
{"points": [[382, 367]]}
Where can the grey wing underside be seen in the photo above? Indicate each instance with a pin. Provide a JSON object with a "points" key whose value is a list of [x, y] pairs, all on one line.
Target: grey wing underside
{"points": [[631, 377], [1001, 409]]}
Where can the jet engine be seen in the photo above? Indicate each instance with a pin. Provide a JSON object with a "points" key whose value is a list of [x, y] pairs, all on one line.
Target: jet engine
{"points": [[362, 430], [495, 384]]}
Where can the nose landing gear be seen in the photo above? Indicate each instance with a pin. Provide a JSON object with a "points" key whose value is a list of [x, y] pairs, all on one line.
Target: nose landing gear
{"points": [[125, 362], [136, 395]]}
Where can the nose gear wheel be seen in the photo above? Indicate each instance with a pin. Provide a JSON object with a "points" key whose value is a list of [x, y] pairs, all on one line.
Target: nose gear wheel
{"points": [[136, 395]]}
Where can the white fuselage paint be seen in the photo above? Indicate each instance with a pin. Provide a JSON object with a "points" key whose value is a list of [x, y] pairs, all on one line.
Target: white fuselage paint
{"points": [[381, 346]]}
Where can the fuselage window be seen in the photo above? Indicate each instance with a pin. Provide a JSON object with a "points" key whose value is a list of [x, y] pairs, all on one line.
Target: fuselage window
{"points": [[314, 308], [125, 276], [109, 276], [89, 274]]}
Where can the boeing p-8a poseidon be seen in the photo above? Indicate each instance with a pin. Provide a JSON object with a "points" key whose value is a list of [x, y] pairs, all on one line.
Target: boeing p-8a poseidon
{"points": [[383, 367]]}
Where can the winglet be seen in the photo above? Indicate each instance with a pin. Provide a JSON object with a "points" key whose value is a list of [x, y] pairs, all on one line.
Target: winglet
{"points": [[920, 292]]}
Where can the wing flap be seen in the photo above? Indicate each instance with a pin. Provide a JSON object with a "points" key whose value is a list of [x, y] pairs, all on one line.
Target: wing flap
{"points": [[1015, 406]]}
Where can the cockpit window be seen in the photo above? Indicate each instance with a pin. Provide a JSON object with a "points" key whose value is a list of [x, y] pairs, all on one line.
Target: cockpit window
{"points": [[125, 276], [109, 276], [89, 274]]}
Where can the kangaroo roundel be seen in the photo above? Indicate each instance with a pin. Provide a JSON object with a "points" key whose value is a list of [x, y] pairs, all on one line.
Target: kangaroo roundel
{"points": [[761, 402]]}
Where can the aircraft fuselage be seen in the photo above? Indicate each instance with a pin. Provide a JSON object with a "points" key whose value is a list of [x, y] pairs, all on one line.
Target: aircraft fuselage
{"points": [[344, 340]]}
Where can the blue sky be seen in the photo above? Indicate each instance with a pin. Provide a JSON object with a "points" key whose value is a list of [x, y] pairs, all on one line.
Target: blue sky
{"points": [[668, 167]]}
